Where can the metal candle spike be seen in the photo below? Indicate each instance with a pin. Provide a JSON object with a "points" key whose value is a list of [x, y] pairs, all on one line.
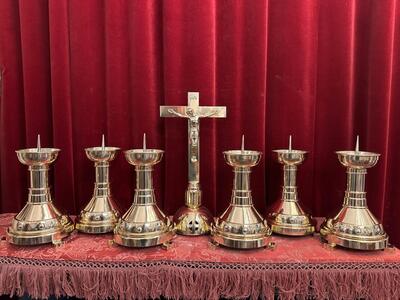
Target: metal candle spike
{"points": [[193, 219], [39, 222], [354, 226], [241, 226], [286, 215], [144, 224], [101, 214]]}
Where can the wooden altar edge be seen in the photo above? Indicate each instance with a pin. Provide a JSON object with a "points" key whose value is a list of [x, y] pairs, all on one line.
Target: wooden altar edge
{"points": [[41, 278]]}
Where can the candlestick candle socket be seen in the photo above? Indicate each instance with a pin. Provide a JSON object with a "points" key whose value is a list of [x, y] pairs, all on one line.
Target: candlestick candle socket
{"points": [[39, 221], [286, 216], [101, 213], [355, 226]]}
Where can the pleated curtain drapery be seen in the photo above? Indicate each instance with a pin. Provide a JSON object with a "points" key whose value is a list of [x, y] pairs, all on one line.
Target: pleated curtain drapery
{"points": [[323, 71]]}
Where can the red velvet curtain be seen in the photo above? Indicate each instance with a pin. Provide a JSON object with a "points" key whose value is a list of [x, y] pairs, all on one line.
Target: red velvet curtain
{"points": [[323, 71]]}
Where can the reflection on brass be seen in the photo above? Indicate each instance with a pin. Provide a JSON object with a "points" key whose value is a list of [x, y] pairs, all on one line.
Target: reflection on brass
{"points": [[286, 216], [354, 226], [241, 226], [144, 224], [39, 222], [193, 219], [101, 214]]}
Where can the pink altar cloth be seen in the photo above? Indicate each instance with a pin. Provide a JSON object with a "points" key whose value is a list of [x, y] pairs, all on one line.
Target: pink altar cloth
{"points": [[90, 266]]}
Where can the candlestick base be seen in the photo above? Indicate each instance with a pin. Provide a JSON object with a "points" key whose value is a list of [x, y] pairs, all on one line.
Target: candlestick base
{"points": [[193, 221], [241, 227], [99, 216], [39, 223], [143, 226], [288, 218], [238, 243], [145, 240], [354, 228]]}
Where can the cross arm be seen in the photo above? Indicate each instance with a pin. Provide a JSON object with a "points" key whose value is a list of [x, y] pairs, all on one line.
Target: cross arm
{"points": [[188, 111], [173, 111], [212, 112]]}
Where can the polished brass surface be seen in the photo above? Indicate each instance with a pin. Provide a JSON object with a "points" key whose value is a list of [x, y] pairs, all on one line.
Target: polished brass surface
{"points": [[193, 219], [241, 226], [101, 214], [144, 224], [39, 222], [286, 216], [355, 226]]}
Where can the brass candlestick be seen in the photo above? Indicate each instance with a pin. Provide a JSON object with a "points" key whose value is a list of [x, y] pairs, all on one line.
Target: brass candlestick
{"points": [[101, 214], [241, 226], [144, 224], [39, 222], [193, 218], [355, 226], [286, 216]]}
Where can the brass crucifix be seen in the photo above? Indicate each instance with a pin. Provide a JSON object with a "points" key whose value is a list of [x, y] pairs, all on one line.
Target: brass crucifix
{"points": [[193, 112]]}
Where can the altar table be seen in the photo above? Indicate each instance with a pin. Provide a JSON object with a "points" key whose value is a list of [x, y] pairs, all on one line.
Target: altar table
{"points": [[89, 266]]}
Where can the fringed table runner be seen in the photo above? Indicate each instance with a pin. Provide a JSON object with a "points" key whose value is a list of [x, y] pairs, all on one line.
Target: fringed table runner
{"points": [[89, 266]]}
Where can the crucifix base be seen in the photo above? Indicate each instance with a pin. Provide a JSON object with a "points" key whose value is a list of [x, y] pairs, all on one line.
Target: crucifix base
{"points": [[193, 221]]}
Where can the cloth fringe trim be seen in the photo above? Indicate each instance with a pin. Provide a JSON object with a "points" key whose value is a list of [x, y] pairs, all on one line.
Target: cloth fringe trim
{"points": [[379, 281]]}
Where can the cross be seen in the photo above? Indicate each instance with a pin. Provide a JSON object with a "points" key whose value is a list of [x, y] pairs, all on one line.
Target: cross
{"points": [[193, 112]]}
